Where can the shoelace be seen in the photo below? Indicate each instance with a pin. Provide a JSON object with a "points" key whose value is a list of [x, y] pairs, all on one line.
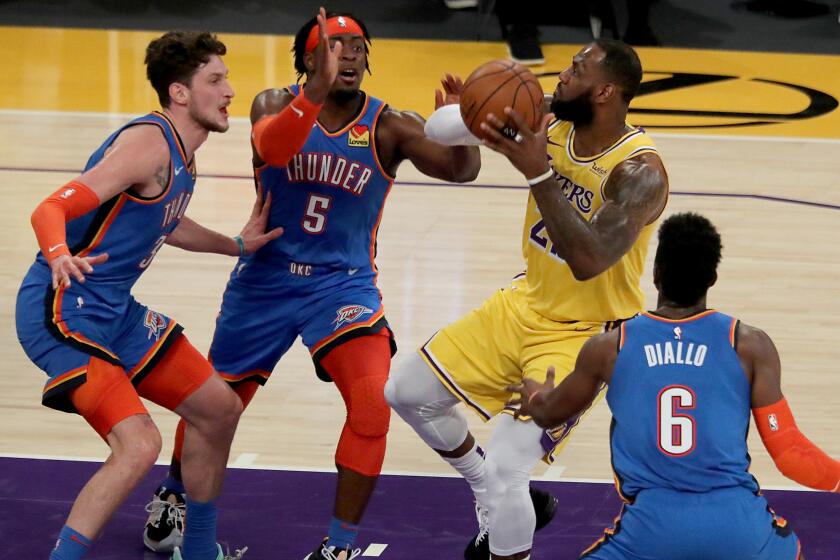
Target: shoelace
{"points": [[158, 507], [237, 555], [483, 517], [330, 555]]}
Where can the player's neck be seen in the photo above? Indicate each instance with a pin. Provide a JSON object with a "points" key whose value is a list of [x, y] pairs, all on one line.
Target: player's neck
{"points": [[191, 133], [339, 109], [672, 310], [599, 134]]}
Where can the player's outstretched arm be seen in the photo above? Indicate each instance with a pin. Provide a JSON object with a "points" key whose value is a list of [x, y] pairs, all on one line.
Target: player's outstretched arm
{"points": [[551, 406], [192, 236], [795, 456], [138, 158], [282, 122]]}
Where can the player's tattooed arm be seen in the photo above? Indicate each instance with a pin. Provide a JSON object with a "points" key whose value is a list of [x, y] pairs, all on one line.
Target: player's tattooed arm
{"points": [[635, 195], [162, 176]]}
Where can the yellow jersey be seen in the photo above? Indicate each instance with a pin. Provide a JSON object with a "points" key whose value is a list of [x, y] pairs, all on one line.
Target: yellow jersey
{"points": [[552, 290]]}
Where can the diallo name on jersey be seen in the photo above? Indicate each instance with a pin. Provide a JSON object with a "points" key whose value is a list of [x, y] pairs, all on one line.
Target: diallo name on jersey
{"points": [[331, 170], [666, 353]]}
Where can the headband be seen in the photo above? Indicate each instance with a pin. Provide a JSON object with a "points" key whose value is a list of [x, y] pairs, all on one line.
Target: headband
{"points": [[336, 25]]}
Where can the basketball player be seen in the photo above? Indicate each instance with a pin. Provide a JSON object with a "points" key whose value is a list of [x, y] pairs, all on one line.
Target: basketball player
{"points": [[682, 381], [100, 348], [591, 211], [330, 152]]}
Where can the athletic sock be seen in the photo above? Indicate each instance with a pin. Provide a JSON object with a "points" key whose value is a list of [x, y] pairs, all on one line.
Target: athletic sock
{"points": [[342, 534], [471, 467], [200, 531], [71, 545]]}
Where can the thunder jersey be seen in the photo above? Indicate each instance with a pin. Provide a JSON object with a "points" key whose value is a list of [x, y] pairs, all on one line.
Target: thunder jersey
{"points": [[130, 228], [681, 406], [553, 291], [329, 198]]}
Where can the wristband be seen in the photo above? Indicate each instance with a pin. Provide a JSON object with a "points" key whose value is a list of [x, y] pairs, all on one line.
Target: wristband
{"points": [[540, 178], [240, 244]]}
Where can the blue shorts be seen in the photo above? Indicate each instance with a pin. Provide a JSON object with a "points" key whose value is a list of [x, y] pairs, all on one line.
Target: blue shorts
{"points": [[719, 525], [267, 305], [61, 330]]}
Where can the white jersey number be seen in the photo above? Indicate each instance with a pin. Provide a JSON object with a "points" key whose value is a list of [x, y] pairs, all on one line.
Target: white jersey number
{"points": [[315, 218], [677, 432]]}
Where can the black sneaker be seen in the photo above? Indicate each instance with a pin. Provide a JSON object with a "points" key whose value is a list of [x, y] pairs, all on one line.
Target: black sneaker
{"points": [[545, 506], [524, 45], [323, 552], [165, 525]]}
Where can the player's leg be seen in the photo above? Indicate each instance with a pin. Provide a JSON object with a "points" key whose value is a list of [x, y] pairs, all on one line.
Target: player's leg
{"points": [[111, 406], [185, 382], [359, 367]]}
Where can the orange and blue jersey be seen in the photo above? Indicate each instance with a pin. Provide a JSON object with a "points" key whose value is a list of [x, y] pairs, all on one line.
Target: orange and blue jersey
{"points": [[681, 404], [61, 329], [330, 196], [317, 280]]}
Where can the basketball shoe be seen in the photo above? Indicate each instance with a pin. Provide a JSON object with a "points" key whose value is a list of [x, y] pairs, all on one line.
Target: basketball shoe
{"points": [[237, 555], [324, 552], [545, 506], [165, 524]]}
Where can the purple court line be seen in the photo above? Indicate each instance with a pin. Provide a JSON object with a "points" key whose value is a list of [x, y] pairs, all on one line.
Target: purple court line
{"points": [[764, 197]]}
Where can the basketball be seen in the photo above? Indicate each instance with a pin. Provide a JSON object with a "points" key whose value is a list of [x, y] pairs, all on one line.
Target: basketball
{"points": [[498, 84]]}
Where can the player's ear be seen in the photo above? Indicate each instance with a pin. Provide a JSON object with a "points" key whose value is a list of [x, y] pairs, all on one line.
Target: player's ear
{"points": [[713, 280], [605, 92], [179, 93], [309, 62]]}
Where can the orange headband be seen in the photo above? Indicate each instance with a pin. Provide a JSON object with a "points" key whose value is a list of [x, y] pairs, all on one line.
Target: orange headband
{"points": [[336, 25]]}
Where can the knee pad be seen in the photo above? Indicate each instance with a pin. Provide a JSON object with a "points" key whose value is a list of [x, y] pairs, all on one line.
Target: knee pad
{"points": [[368, 414]]}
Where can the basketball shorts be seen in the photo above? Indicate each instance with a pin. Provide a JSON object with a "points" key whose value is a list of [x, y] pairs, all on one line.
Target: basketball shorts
{"points": [[61, 329], [501, 343], [719, 525], [267, 305]]}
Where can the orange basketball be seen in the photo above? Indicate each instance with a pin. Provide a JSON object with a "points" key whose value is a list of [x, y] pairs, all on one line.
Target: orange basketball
{"points": [[498, 84]]}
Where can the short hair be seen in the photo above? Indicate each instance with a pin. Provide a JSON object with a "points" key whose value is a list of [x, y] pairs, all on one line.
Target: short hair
{"points": [[622, 64], [687, 257], [176, 57], [299, 47]]}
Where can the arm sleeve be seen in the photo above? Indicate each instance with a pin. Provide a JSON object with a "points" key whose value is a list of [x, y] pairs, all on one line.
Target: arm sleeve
{"points": [[446, 127], [795, 456], [49, 218], [278, 137]]}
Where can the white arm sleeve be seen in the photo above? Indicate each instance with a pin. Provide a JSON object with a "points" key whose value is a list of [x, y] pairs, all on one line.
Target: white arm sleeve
{"points": [[447, 127]]}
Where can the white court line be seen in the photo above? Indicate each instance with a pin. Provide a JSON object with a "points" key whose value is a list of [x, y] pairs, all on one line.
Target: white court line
{"points": [[292, 468], [246, 120], [374, 549], [244, 460]]}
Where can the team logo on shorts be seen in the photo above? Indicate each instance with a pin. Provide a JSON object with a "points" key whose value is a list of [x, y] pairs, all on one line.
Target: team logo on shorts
{"points": [[349, 313], [359, 136], [155, 322]]}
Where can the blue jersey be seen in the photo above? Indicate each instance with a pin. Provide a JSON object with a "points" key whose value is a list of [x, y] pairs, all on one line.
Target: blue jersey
{"points": [[681, 406], [130, 228], [329, 198]]}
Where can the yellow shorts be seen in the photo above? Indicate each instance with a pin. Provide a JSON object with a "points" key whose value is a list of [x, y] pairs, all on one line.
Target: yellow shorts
{"points": [[501, 343]]}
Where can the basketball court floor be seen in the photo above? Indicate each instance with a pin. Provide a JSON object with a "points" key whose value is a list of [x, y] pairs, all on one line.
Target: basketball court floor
{"points": [[749, 139]]}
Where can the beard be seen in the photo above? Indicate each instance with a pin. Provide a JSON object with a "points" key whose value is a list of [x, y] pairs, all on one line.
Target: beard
{"points": [[577, 110], [343, 96], [209, 124]]}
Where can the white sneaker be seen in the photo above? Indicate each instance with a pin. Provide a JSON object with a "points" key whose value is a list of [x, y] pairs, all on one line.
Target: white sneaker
{"points": [[165, 525], [461, 4], [237, 555]]}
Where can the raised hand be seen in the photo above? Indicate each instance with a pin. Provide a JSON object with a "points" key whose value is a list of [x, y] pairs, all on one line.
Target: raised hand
{"points": [[65, 266], [527, 150], [451, 94], [253, 234], [326, 62]]}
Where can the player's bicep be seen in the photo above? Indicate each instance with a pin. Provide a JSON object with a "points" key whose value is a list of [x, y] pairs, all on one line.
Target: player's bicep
{"points": [[762, 359], [137, 156], [635, 195]]}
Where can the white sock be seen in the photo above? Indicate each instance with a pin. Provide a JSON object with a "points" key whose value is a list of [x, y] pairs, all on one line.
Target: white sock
{"points": [[471, 467]]}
